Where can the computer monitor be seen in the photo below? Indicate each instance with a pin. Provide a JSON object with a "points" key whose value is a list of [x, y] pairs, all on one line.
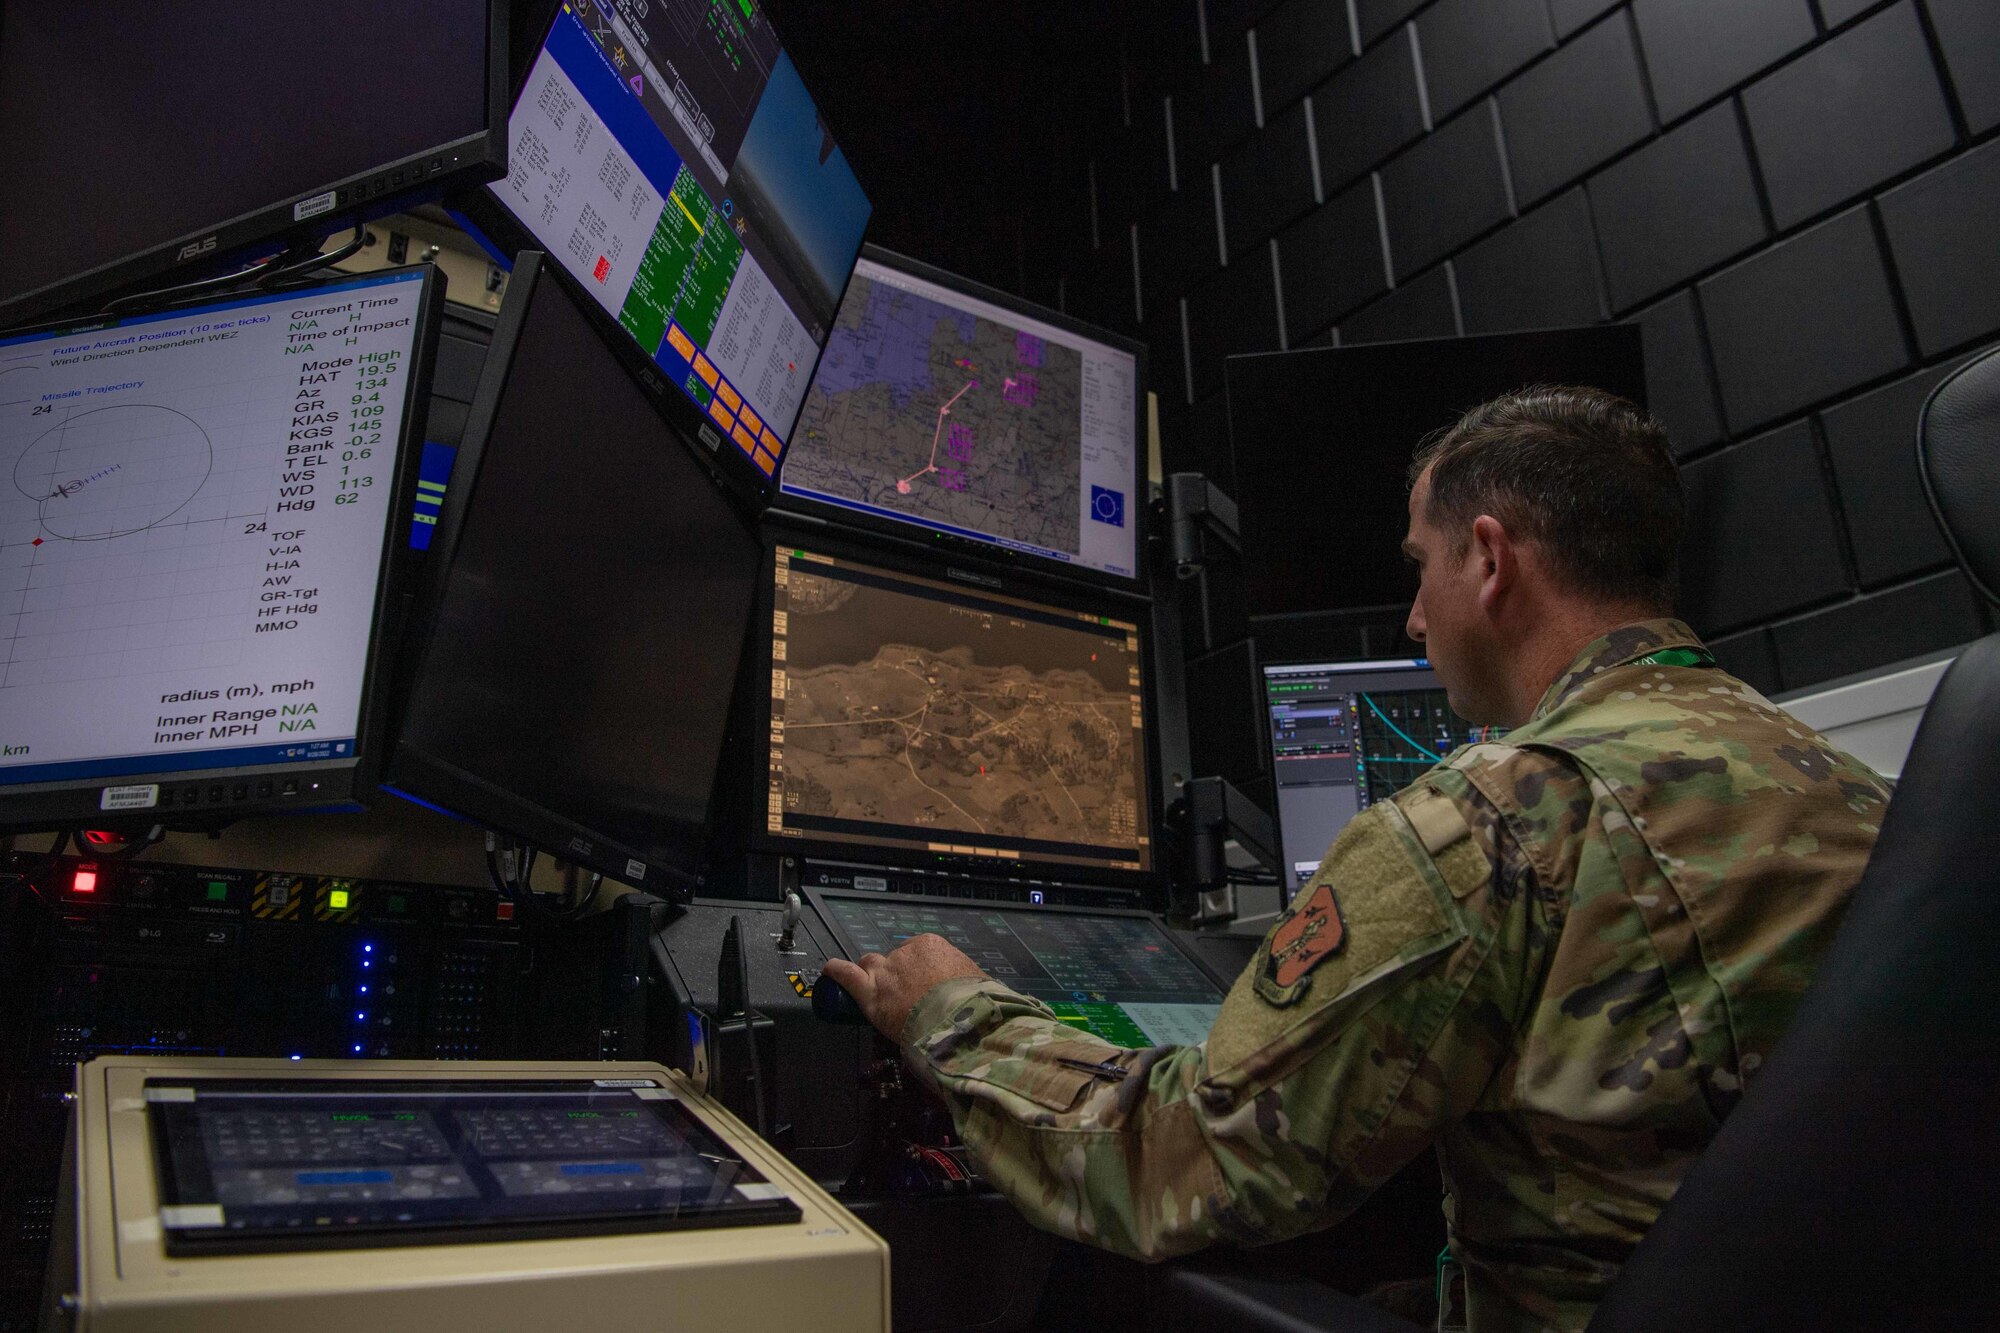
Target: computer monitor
{"points": [[1116, 974], [592, 593], [143, 138], [672, 163], [933, 724], [202, 552], [1322, 440], [961, 415], [1345, 735]]}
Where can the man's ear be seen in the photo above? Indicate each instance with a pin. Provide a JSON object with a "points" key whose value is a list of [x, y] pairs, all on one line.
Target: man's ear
{"points": [[1497, 557]]}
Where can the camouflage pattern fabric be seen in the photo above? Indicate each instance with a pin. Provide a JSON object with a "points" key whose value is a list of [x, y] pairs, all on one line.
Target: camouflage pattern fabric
{"points": [[1565, 955]]}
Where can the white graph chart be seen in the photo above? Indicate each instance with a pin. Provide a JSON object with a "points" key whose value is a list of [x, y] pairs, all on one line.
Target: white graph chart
{"points": [[192, 515], [125, 548]]}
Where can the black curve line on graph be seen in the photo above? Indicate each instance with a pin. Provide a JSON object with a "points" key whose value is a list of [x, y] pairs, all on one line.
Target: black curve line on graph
{"points": [[42, 499]]}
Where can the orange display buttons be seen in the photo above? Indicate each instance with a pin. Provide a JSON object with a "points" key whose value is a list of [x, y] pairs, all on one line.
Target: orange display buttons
{"points": [[744, 438], [767, 461], [721, 414], [706, 369], [772, 442], [727, 392], [750, 419], [681, 343]]}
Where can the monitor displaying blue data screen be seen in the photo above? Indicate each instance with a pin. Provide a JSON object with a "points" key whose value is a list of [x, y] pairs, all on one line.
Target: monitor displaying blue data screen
{"points": [[1345, 735], [1116, 974], [975, 417], [245, 1166], [670, 159], [195, 541]]}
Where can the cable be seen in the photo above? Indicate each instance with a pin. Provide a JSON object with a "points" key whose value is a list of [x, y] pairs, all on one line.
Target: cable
{"points": [[265, 273], [201, 287], [317, 260], [51, 859]]}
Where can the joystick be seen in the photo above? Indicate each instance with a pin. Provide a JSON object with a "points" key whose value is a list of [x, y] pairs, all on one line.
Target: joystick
{"points": [[833, 1004]]}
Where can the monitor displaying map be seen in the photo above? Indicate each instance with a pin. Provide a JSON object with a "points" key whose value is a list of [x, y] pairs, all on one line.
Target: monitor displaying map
{"points": [[936, 406], [915, 715]]}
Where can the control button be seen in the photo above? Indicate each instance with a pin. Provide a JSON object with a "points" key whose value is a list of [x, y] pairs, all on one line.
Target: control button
{"points": [[264, 788], [291, 787], [240, 791]]}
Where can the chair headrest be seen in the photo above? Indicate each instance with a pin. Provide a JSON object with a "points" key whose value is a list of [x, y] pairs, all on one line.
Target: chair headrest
{"points": [[1958, 452]]}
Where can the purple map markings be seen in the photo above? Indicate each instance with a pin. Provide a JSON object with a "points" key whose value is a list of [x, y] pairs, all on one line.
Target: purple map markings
{"points": [[1027, 349], [958, 443], [1020, 389]]}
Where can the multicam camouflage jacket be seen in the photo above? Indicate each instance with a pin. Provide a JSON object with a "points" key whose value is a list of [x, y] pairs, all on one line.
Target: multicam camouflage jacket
{"points": [[1558, 958]]}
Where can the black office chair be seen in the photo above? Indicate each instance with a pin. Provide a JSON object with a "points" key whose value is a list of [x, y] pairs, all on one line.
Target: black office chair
{"points": [[1857, 1185]]}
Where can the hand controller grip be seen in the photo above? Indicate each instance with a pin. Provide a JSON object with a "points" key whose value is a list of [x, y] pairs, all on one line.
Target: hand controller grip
{"points": [[832, 1003]]}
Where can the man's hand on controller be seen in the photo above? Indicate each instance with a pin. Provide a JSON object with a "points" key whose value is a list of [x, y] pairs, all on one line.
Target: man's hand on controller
{"points": [[887, 988]]}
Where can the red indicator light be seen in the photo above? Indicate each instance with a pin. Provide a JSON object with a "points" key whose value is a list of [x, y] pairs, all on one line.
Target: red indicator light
{"points": [[85, 882], [505, 912]]}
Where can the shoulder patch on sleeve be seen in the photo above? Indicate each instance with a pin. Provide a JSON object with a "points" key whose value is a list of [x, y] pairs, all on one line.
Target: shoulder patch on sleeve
{"points": [[1395, 909], [1311, 933]]}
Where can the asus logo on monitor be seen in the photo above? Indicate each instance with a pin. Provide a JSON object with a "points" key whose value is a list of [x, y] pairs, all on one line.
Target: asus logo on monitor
{"points": [[193, 248]]}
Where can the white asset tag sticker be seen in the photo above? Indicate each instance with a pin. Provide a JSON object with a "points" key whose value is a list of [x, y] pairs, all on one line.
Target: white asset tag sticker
{"points": [[181, 1216], [635, 871], [138, 796]]}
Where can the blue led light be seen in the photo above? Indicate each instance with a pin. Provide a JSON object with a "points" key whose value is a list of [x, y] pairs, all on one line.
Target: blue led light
{"points": [[367, 964], [364, 990], [298, 1057], [357, 1048], [368, 948]]}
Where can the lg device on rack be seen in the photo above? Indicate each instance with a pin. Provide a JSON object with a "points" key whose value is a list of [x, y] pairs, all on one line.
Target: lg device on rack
{"points": [[201, 551], [931, 736], [1345, 735], [959, 415], [587, 613], [143, 138], [672, 163]]}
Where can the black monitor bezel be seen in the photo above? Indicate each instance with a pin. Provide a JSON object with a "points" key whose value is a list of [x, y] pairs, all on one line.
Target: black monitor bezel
{"points": [[465, 161], [324, 785], [448, 788], [508, 237], [820, 897], [777, 531], [914, 536]]}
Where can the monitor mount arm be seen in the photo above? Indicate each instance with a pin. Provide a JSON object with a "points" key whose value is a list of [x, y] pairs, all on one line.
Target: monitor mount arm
{"points": [[1198, 513], [1209, 815]]}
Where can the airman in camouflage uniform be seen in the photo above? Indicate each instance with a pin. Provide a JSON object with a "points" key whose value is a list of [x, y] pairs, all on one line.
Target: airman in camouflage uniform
{"points": [[1558, 958]]}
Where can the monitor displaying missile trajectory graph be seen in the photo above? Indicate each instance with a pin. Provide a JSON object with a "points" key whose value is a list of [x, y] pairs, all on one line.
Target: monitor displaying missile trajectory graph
{"points": [[934, 407], [192, 517]]}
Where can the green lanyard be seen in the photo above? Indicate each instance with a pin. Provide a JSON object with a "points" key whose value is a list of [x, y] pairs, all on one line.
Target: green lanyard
{"points": [[1680, 657]]}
